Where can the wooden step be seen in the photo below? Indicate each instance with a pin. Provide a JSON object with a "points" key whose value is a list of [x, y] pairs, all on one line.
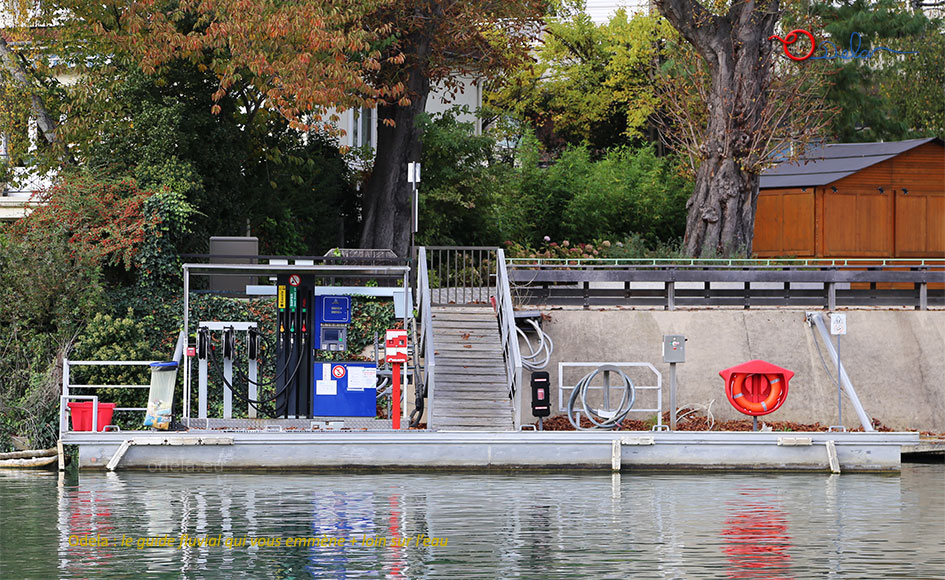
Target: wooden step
{"points": [[469, 367], [488, 322], [465, 336], [470, 394], [468, 375], [481, 385], [486, 422], [496, 425], [471, 409]]}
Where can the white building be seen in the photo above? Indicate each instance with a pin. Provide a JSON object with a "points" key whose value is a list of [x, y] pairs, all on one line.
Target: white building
{"points": [[601, 11], [360, 125]]}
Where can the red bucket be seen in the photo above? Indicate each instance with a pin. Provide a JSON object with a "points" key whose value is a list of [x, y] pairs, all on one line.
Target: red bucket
{"points": [[82, 415]]}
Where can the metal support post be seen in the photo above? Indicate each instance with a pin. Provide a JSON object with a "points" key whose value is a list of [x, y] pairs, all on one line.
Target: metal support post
{"points": [[672, 396], [839, 387], [816, 319], [202, 388], [607, 391], [251, 411], [186, 411], [227, 393]]}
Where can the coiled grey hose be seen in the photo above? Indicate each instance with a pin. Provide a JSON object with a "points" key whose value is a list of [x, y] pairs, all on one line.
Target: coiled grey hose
{"points": [[600, 421], [537, 358]]}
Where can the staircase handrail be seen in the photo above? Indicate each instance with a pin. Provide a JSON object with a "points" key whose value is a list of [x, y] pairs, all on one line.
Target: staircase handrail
{"points": [[425, 308], [510, 349]]}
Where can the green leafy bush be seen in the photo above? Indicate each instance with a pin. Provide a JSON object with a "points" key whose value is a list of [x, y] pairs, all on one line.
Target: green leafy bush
{"points": [[473, 195]]}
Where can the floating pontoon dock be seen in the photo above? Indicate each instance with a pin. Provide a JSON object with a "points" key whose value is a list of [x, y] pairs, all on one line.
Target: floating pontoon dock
{"points": [[609, 450], [467, 363]]}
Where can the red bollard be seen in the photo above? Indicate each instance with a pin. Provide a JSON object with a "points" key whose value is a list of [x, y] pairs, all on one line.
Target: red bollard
{"points": [[395, 398]]}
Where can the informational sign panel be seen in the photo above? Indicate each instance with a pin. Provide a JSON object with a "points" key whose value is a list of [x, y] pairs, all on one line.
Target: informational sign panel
{"points": [[335, 309], [395, 343], [838, 323], [345, 389]]}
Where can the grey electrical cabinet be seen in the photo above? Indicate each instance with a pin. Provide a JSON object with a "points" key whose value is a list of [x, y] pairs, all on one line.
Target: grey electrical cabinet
{"points": [[232, 250], [674, 348]]}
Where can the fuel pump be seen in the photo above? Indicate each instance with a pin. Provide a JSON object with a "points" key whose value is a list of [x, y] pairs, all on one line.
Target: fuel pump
{"points": [[294, 346]]}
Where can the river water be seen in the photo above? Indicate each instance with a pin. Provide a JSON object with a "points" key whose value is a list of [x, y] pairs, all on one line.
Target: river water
{"points": [[524, 525]]}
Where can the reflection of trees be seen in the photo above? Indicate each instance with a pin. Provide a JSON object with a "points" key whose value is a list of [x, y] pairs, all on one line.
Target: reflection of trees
{"points": [[757, 541]]}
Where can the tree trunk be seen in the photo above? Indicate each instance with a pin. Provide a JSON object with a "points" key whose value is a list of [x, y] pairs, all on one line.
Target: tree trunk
{"points": [[17, 70], [388, 197], [721, 211]]}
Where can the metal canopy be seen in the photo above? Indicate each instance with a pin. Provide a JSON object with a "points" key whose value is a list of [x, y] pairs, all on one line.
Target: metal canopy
{"points": [[336, 270]]}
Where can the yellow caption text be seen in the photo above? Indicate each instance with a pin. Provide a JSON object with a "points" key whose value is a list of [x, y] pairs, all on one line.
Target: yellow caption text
{"points": [[185, 541]]}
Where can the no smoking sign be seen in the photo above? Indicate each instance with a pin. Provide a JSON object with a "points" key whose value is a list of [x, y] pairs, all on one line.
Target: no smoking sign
{"points": [[338, 372]]}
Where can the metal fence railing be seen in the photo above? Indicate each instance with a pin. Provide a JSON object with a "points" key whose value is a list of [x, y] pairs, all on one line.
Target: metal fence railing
{"points": [[68, 387], [591, 283], [461, 274]]}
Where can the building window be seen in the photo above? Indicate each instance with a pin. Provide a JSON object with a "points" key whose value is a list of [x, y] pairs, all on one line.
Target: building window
{"points": [[362, 127]]}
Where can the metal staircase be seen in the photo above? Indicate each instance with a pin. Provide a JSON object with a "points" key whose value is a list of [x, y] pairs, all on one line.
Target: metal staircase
{"points": [[472, 390], [471, 363]]}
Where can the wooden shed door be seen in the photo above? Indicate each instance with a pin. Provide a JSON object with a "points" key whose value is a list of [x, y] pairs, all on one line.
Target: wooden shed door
{"points": [[920, 223], [784, 223], [858, 222]]}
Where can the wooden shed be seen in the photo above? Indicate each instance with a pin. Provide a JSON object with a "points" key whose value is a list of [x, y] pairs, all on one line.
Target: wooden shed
{"points": [[855, 200]]}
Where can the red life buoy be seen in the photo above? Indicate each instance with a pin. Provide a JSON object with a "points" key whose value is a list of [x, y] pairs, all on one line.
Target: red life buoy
{"points": [[768, 405]]}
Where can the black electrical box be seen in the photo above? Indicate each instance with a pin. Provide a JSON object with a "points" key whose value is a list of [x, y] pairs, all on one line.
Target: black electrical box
{"points": [[541, 405]]}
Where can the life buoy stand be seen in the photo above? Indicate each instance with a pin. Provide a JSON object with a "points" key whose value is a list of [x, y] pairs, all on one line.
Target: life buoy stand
{"points": [[746, 384], [762, 407]]}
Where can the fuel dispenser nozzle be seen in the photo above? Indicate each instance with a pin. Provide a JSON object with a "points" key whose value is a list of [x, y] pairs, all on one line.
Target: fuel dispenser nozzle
{"points": [[203, 343], [229, 342]]}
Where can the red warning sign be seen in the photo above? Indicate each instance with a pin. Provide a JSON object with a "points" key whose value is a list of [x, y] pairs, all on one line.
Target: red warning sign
{"points": [[294, 280], [338, 372]]}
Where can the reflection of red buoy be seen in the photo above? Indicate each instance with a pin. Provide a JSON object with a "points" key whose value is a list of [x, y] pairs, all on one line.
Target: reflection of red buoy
{"points": [[757, 543], [756, 387]]}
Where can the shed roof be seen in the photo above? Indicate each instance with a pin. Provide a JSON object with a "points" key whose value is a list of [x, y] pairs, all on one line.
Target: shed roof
{"points": [[828, 163]]}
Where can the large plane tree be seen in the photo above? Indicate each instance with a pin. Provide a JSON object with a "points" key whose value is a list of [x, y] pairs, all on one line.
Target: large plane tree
{"points": [[734, 46]]}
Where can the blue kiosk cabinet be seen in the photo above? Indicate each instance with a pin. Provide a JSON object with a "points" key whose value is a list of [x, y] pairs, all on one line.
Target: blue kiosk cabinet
{"points": [[345, 389]]}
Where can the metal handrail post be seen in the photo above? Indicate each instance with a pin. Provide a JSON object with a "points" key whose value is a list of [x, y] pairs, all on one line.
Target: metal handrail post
{"points": [[426, 329], [510, 348], [817, 319], [65, 395]]}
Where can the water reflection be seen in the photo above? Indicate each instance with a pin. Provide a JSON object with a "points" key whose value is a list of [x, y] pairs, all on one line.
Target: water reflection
{"points": [[525, 525], [756, 538]]}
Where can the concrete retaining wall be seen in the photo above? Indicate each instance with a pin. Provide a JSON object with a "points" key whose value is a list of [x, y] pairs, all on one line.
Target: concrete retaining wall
{"points": [[895, 359]]}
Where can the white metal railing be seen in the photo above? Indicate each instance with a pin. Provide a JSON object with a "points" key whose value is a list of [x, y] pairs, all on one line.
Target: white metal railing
{"points": [[425, 308], [68, 386], [510, 350], [461, 274], [564, 390], [737, 262]]}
